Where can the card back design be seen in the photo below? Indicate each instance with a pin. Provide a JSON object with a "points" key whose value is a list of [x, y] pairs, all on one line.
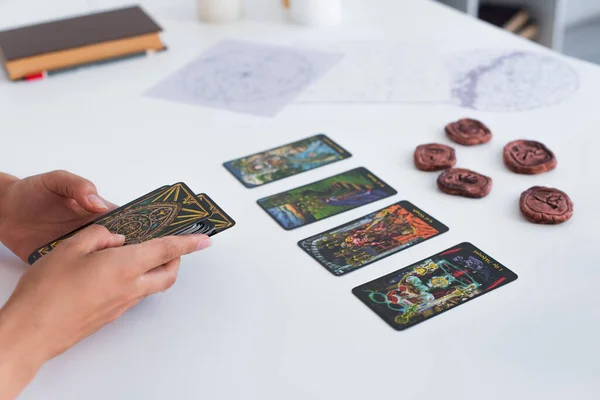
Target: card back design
{"points": [[325, 198], [218, 218], [285, 161], [434, 285], [371, 238], [163, 212]]}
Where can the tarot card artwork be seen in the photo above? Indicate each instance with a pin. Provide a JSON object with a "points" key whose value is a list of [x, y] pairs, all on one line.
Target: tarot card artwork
{"points": [[285, 161], [371, 238], [218, 218], [432, 286], [325, 198], [174, 210]]}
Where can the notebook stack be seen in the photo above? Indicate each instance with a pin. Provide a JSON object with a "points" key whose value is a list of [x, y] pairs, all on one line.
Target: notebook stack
{"points": [[33, 52]]}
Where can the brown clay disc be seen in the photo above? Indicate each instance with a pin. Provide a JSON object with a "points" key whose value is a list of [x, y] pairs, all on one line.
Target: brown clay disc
{"points": [[543, 205], [468, 132], [464, 182], [434, 157], [528, 157]]}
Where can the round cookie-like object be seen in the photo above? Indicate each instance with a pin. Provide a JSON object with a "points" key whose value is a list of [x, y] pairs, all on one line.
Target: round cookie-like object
{"points": [[528, 157], [464, 182], [468, 132], [434, 157], [543, 205]]}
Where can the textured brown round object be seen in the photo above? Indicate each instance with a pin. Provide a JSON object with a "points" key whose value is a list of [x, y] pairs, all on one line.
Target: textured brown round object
{"points": [[434, 157], [464, 182], [468, 132], [528, 157], [543, 205]]}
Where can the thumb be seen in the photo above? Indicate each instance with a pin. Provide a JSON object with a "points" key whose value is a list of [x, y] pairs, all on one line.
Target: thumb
{"points": [[74, 187]]}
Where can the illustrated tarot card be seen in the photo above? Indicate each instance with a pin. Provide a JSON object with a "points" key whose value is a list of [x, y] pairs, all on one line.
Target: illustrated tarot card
{"points": [[285, 161], [173, 210], [371, 238], [434, 285], [325, 198]]}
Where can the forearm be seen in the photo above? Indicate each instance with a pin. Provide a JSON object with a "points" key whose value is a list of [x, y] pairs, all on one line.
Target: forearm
{"points": [[18, 362], [17, 366]]}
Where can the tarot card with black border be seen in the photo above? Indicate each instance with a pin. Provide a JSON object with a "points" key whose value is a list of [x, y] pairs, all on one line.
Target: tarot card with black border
{"points": [[371, 238], [325, 198], [218, 218], [434, 285], [170, 210], [285, 161], [42, 251]]}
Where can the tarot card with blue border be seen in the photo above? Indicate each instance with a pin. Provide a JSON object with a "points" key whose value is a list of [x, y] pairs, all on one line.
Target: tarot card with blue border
{"points": [[371, 238], [434, 285], [285, 161]]}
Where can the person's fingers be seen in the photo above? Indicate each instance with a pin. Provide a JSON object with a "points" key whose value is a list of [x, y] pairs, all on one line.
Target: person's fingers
{"points": [[111, 206], [94, 238], [159, 279], [85, 215], [77, 188], [156, 252]]}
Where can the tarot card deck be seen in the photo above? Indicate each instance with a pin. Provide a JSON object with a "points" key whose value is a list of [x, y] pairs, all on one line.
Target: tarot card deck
{"points": [[166, 211]]}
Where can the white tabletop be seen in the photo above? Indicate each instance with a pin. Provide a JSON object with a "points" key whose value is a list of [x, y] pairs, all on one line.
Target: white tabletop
{"points": [[254, 317]]}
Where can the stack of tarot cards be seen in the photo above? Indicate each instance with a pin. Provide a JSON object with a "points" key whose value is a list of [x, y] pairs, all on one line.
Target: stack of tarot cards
{"points": [[167, 211]]}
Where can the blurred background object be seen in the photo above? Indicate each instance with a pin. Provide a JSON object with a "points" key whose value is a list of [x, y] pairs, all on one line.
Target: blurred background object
{"points": [[220, 11], [510, 18], [315, 12], [568, 26]]}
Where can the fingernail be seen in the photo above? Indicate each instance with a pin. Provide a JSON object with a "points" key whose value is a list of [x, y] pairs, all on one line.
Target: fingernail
{"points": [[121, 236], [204, 243], [97, 201]]}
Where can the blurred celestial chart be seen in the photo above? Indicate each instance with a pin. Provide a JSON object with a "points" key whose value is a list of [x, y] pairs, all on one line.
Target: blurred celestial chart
{"points": [[487, 80], [510, 80], [380, 72], [246, 77]]}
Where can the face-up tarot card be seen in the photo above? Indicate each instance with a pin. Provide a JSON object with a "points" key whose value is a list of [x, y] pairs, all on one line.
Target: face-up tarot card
{"points": [[375, 236], [170, 210], [325, 198], [285, 161], [436, 284]]}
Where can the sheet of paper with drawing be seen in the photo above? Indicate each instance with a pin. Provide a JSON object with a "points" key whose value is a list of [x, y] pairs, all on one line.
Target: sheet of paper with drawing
{"points": [[380, 72], [509, 80], [246, 77], [481, 79]]}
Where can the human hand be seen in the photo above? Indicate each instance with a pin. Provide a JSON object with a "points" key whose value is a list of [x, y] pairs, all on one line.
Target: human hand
{"points": [[88, 281], [41, 208]]}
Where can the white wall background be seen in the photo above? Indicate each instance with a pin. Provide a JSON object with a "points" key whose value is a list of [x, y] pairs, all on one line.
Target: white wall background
{"points": [[576, 10], [580, 10]]}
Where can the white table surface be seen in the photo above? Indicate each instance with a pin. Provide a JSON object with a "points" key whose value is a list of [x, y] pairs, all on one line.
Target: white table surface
{"points": [[254, 317]]}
